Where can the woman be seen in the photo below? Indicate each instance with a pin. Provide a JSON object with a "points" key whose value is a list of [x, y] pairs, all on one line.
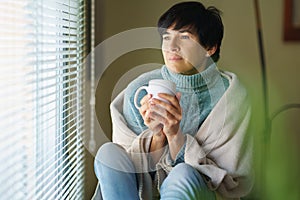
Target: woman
{"points": [[194, 147]]}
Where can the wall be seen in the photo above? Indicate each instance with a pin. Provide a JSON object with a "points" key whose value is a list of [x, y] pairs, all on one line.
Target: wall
{"points": [[239, 54]]}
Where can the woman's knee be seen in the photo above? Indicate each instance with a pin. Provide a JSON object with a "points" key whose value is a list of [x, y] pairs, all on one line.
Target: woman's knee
{"points": [[113, 156], [103, 152], [184, 175], [183, 170], [108, 150], [185, 182]]}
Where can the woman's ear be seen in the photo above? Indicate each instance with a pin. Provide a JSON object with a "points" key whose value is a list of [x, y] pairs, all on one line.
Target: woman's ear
{"points": [[210, 51]]}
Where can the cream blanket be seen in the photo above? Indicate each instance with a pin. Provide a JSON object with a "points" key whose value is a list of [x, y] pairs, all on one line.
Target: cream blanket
{"points": [[221, 150]]}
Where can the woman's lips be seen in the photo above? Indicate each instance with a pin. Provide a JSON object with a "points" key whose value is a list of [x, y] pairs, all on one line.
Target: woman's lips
{"points": [[175, 58]]}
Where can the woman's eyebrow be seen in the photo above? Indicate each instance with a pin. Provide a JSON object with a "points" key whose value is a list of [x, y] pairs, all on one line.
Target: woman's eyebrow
{"points": [[180, 31], [185, 31]]}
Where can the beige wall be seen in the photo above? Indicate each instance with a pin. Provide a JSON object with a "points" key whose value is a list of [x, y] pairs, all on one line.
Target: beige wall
{"points": [[239, 54]]}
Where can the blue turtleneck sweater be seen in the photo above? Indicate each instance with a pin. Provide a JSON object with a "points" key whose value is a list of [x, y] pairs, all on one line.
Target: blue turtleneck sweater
{"points": [[199, 94]]}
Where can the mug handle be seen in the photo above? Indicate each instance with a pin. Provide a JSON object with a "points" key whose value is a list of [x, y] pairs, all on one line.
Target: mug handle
{"points": [[136, 95]]}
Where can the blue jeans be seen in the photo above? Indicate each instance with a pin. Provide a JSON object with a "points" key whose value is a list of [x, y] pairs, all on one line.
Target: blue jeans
{"points": [[116, 174]]}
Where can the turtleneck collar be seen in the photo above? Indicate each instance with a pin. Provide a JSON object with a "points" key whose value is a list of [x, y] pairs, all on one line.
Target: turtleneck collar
{"points": [[195, 82]]}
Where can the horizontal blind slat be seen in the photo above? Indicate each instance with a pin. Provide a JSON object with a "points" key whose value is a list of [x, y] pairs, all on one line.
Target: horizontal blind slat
{"points": [[45, 182], [43, 169]]}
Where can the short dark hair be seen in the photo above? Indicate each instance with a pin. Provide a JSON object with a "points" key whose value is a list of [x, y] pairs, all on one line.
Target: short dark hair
{"points": [[206, 22]]}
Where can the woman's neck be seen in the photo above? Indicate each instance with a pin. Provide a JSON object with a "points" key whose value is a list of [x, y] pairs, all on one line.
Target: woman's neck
{"points": [[190, 72]]}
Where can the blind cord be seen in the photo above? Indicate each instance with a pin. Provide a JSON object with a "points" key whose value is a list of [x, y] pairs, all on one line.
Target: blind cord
{"points": [[92, 142]]}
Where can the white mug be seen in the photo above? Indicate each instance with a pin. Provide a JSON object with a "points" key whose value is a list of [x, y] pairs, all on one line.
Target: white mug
{"points": [[155, 87]]}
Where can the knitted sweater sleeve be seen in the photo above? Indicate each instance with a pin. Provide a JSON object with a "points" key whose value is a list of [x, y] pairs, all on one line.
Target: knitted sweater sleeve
{"points": [[222, 148], [131, 114]]}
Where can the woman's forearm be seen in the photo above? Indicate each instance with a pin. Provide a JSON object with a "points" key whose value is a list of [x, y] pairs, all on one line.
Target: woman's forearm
{"points": [[156, 147], [175, 143]]}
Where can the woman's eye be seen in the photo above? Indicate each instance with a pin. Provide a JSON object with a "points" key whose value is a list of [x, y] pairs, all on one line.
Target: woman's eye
{"points": [[185, 37], [166, 37]]}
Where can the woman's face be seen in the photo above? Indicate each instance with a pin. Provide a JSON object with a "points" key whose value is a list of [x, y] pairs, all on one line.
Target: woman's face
{"points": [[182, 52]]}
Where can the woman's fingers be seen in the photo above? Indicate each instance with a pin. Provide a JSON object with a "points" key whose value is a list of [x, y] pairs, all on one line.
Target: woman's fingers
{"points": [[145, 99], [169, 110], [166, 117], [144, 110], [174, 100], [158, 114], [152, 124], [144, 104]]}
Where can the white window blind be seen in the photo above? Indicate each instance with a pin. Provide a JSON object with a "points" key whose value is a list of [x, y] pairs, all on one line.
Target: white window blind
{"points": [[42, 47]]}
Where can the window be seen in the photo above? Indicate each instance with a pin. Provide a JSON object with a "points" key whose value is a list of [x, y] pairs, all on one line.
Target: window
{"points": [[42, 47]]}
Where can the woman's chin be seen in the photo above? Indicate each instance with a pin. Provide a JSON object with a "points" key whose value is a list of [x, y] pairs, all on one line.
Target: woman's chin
{"points": [[179, 68]]}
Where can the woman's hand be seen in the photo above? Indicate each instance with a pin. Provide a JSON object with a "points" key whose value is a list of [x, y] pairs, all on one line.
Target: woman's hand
{"points": [[158, 139], [144, 110], [168, 114]]}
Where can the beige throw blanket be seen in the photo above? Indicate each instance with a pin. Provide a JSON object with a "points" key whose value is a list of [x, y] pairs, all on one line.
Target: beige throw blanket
{"points": [[221, 150]]}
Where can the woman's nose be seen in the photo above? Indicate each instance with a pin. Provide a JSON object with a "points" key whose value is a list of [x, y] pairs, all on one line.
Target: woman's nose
{"points": [[174, 45]]}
